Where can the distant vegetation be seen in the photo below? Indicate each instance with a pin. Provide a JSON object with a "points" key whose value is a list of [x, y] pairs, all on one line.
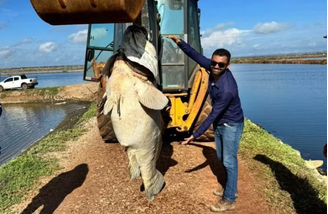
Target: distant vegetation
{"points": [[302, 58], [62, 68]]}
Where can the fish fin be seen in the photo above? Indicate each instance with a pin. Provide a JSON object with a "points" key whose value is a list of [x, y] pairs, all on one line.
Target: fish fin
{"points": [[109, 102], [133, 165], [108, 106], [150, 97]]}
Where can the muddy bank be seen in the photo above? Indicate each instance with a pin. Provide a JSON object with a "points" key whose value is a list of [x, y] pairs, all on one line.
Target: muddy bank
{"points": [[86, 92], [73, 115]]}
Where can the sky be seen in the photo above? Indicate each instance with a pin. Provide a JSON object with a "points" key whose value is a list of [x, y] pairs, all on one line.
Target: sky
{"points": [[245, 28]]}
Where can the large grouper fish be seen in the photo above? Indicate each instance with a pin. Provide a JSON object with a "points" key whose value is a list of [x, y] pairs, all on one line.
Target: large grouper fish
{"points": [[134, 104]]}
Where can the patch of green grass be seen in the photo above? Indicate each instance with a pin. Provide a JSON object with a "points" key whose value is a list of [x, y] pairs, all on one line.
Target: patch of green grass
{"points": [[90, 113], [6, 93], [56, 142], [18, 176], [289, 186], [48, 91], [51, 91]]}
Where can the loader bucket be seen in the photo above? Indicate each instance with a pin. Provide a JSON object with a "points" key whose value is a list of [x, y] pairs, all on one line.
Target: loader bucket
{"points": [[63, 12]]}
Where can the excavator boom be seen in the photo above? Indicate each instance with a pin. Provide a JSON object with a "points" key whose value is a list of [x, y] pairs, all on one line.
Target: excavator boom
{"points": [[64, 12]]}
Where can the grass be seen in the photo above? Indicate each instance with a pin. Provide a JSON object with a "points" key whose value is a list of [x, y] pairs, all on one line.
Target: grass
{"points": [[18, 176], [52, 91], [304, 58], [45, 92], [89, 114], [280, 61], [288, 185]]}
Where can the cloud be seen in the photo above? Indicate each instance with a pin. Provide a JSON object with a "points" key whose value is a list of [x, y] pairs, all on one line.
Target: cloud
{"points": [[27, 40], [47, 47], [257, 46], [219, 27], [261, 40], [98, 33], [79, 37], [24, 41], [270, 27], [222, 38], [6, 52]]}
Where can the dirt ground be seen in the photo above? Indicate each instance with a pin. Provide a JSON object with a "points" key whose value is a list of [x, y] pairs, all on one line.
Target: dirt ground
{"points": [[94, 177], [79, 92]]}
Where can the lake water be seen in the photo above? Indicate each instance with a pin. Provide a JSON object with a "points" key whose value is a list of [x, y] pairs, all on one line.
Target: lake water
{"points": [[23, 124], [289, 101], [55, 79]]}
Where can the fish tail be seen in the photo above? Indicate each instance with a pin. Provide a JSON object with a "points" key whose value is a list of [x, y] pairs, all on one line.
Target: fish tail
{"points": [[153, 180], [157, 184]]}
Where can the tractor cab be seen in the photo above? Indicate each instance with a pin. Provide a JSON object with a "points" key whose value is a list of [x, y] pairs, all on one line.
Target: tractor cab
{"points": [[180, 78], [165, 17]]}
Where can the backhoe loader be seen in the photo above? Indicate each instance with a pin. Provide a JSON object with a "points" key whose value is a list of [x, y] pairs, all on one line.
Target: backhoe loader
{"points": [[181, 79]]}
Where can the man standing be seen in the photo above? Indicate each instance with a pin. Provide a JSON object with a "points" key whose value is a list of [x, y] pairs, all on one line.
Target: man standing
{"points": [[226, 116]]}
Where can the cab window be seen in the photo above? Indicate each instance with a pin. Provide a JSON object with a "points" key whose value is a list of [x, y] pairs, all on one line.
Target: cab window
{"points": [[99, 46], [9, 80]]}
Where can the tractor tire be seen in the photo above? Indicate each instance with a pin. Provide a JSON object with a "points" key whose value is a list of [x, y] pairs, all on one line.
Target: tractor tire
{"points": [[206, 110], [105, 126]]}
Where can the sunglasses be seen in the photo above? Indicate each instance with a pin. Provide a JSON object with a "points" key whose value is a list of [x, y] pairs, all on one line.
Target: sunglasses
{"points": [[220, 64]]}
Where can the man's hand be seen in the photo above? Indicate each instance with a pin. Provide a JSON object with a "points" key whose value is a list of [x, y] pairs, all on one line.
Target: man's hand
{"points": [[187, 140], [174, 38]]}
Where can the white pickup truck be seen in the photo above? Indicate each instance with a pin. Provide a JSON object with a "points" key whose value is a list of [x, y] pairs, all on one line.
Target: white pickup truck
{"points": [[18, 81]]}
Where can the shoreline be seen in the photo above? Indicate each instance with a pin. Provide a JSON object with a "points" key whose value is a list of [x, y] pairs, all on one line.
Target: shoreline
{"points": [[84, 92], [72, 118], [300, 58], [9, 73], [80, 93], [255, 162], [279, 61], [68, 122]]}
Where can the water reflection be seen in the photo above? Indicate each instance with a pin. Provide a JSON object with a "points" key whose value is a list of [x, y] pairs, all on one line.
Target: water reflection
{"points": [[23, 124]]}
